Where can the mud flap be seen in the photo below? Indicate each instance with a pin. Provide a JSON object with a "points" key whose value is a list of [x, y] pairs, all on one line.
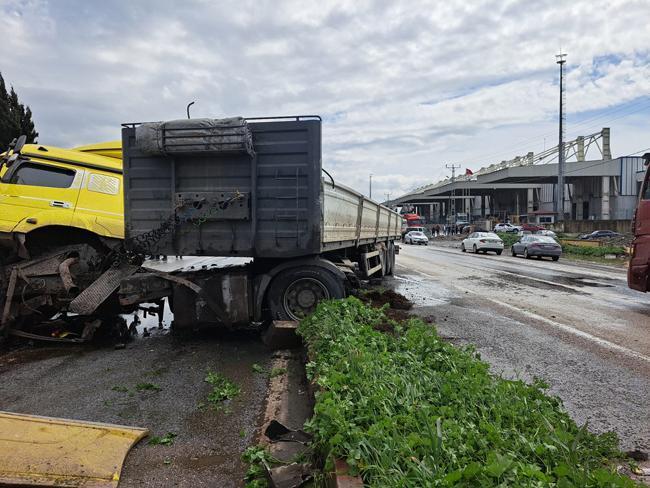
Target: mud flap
{"points": [[45, 451]]}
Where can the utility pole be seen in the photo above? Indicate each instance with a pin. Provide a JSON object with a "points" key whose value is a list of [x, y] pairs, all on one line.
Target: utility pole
{"points": [[559, 200], [387, 197], [370, 186], [452, 196]]}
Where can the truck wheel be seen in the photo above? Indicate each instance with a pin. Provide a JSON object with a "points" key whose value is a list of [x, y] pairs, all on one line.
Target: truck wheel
{"points": [[294, 293]]}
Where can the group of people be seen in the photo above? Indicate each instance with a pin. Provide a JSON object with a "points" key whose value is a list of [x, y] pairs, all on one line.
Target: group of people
{"points": [[438, 230]]}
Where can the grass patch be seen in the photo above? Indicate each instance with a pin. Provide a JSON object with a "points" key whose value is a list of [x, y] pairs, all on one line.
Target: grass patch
{"points": [[408, 409], [166, 440], [222, 388], [593, 251], [147, 387]]}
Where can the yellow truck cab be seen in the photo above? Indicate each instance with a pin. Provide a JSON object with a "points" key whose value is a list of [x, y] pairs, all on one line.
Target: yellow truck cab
{"points": [[51, 196]]}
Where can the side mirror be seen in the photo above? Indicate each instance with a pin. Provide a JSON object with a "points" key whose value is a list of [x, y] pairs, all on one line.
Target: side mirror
{"points": [[20, 143]]}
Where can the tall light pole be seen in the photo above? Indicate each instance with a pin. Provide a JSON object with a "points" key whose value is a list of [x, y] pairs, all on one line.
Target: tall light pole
{"points": [[370, 185], [452, 195], [559, 200]]}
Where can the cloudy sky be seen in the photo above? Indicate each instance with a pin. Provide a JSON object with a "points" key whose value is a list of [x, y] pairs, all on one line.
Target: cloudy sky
{"points": [[404, 87]]}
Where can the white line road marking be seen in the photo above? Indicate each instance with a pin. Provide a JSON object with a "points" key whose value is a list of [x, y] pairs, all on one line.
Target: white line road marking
{"points": [[567, 328]]}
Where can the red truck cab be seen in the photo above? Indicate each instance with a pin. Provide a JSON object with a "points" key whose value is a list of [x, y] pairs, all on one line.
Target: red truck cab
{"points": [[638, 273]]}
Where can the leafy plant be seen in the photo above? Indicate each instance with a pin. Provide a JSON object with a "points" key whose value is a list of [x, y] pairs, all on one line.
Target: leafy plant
{"points": [[259, 461], [147, 387], [508, 238], [257, 368], [277, 372], [166, 440], [222, 388], [120, 389], [409, 410]]}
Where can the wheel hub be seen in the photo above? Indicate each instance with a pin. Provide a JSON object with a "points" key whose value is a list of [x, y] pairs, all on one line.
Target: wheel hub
{"points": [[302, 296]]}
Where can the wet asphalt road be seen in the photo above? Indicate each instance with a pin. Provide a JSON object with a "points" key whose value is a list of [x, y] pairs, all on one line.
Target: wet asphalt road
{"points": [[577, 326], [100, 384]]}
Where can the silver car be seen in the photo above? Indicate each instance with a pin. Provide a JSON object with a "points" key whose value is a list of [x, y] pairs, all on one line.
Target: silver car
{"points": [[538, 246]]}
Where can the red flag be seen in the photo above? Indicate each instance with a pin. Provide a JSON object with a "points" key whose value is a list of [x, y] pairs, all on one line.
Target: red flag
{"points": [[468, 172]]}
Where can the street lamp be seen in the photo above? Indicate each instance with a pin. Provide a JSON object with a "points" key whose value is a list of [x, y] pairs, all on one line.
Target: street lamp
{"points": [[370, 185]]}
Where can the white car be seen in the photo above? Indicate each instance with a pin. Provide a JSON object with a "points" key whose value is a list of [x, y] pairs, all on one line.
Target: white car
{"points": [[482, 242], [504, 227], [548, 233], [416, 237]]}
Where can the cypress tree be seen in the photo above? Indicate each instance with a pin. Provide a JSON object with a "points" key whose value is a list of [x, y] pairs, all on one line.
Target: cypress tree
{"points": [[15, 118]]}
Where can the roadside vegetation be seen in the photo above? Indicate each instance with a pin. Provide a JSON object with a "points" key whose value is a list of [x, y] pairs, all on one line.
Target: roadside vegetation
{"points": [[405, 408], [508, 238], [594, 251]]}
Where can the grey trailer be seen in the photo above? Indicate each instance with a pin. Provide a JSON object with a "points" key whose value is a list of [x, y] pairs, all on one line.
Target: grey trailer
{"points": [[247, 187]]}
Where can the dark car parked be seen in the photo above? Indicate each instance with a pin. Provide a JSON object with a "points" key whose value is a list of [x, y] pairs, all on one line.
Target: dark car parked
{"points": [[599, 234], [536, 245]]}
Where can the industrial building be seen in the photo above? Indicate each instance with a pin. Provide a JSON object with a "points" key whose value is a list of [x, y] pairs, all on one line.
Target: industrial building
{"points": [[599, 192]]}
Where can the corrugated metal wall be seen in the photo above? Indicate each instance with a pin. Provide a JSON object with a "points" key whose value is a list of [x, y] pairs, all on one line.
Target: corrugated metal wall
{"points": [[630, 166]]}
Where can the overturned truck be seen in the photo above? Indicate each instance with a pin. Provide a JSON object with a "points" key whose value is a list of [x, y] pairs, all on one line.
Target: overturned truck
{"points": [[247, 188]]}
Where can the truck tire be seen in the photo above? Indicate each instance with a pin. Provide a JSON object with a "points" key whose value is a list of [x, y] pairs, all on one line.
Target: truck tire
{"points": [[294, 293], [391, 258]]}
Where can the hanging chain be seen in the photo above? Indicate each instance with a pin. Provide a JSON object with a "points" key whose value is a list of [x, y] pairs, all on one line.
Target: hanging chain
{"points": [[134, 250]]}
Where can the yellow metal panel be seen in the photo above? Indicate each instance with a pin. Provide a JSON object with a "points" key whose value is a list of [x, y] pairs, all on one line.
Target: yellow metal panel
{"points": [[45, 451], [110, 149]]}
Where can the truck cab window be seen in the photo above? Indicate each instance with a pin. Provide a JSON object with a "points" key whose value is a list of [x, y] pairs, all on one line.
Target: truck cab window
{"points": [[39, 175]]}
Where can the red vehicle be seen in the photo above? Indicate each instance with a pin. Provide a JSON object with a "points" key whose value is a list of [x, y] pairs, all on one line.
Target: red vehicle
{"points": [[531, 227], [413, 220], [638, 273]]}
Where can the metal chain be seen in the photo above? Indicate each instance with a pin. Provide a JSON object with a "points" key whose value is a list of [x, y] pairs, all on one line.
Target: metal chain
{"points": [[133, 250]]}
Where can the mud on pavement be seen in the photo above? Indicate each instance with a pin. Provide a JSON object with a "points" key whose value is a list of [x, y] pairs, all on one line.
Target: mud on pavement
{"points": [[157, 382]]}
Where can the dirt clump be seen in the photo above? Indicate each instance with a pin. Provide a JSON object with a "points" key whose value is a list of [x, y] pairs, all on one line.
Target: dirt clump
{"points": [[397, 301]]}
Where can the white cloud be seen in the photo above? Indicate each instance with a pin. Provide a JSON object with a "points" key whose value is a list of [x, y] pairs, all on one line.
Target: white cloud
{"points": [[404, 87]]}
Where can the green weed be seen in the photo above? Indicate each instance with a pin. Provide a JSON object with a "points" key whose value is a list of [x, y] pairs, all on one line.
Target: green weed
{"points": [[147, 387], [410, 410], [257, 368], [166, 440], [277, 372], [259, 460], [120, 389], [222, 388]]}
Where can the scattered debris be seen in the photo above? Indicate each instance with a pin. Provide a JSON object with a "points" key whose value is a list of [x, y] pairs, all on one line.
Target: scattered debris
{"points": [[637, 455], [290, 476], [277, 431]]}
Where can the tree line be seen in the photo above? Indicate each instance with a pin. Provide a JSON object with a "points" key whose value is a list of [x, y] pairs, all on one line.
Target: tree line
{"points": [[15, 118]]}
